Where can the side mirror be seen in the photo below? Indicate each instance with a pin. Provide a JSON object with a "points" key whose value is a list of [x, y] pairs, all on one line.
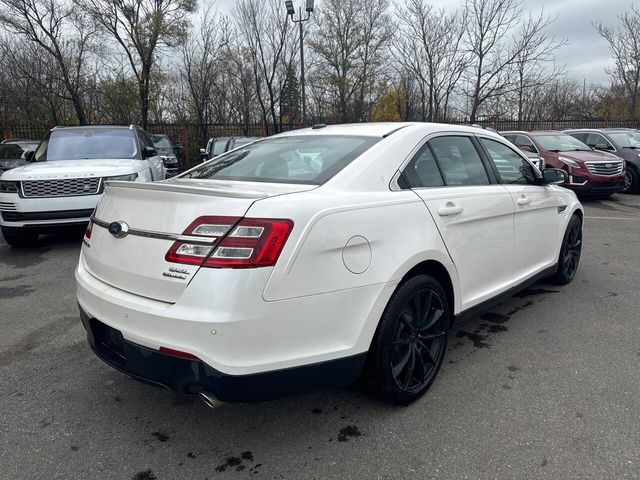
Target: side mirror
{"points": [[148, 152], [30, 156], [525, 148], [554, 176]]}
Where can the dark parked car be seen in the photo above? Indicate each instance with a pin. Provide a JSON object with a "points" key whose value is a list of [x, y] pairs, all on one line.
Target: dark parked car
{"points": [[26, 145], [590, 171], [219, 145], [165, 149], [622, 142], [12, 155]]}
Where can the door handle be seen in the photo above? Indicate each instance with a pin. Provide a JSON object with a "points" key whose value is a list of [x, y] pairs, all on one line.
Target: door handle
{"points": [[449, 209], [523, 201]]}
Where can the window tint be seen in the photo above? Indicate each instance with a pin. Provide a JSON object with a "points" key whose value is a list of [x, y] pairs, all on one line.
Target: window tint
{"points": [[459, 161], [596, 139], [308, 159], [512, 168], [422, 171], [524, 143]]}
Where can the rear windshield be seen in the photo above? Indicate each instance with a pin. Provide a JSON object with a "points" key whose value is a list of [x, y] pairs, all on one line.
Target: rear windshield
{"points": [[87, 144], [561, 142], [309, 159]]}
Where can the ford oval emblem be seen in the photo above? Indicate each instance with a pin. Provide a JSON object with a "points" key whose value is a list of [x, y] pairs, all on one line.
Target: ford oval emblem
{"points": [[119, 229]]}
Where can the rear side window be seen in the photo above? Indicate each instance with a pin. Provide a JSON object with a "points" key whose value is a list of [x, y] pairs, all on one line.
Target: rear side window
{"points": [[459, 161], [308, 159], [422, 171], [512, 168]]}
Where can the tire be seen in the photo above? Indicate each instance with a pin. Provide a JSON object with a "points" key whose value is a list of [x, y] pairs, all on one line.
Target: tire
{"points": [[17, 238], [631, 181], [570, 253], [410, 343]]}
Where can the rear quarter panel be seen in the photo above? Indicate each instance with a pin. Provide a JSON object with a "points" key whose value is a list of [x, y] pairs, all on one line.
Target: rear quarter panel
{"points": [[351, 241]]}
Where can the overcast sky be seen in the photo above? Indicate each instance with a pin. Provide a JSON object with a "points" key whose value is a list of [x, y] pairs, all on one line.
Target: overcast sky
{"points": [[586, 55]]}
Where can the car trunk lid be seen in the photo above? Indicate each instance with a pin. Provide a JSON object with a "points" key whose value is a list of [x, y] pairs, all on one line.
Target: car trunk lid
{"points": [[156, 214]]}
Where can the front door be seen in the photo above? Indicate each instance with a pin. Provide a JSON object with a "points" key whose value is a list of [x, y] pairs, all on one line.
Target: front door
{"points": [[537, 222]]}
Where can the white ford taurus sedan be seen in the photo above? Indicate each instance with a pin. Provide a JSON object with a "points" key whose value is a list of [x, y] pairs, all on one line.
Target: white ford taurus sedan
{"points": [[311, 258]]}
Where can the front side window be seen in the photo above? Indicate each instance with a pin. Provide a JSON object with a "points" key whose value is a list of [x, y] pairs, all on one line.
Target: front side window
{"points": [[511, 167], [595, 139], [459, 161], [525, 144], [87, 144], [219, 146], [306, 159], [422, 171]]}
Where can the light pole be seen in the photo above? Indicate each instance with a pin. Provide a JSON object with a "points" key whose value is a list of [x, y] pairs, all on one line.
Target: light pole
{"points": [[291, 11]]}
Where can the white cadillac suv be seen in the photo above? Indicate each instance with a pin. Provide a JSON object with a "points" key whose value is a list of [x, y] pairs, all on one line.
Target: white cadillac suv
{"points": [[313, 257], [66, 175]]}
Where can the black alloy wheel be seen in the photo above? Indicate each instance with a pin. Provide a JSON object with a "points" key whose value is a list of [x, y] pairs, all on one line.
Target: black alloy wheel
{"points": [[570, 252], [411, 341], [631, 181], [418, 341]]}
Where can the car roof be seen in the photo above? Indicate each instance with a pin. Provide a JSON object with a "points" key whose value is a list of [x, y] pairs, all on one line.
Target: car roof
{"points": [[384, 129], [97, 127], [9, 141]]}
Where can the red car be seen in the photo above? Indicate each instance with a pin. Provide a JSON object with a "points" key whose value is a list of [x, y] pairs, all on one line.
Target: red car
{"points": [[590, 171]]}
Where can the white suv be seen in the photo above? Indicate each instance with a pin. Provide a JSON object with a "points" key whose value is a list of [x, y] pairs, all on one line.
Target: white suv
{"points": [[308, 258], [66, 175]]}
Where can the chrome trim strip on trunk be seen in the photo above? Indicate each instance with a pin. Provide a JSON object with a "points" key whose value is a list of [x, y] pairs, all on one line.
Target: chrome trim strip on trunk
{"points": [[161, 235]]}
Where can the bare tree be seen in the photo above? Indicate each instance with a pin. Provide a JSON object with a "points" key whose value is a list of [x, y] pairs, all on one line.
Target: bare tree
{"points": [[61, 33], [624, 43], [270, 42], [499, 36], [141, 28], [349, 41], [202, 57], [428, 44]]}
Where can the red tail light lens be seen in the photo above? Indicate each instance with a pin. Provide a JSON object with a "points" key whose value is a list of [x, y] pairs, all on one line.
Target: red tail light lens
{"points": [[87, 232], [237, 243]]}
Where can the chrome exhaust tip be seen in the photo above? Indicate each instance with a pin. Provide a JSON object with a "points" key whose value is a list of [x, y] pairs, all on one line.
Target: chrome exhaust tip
{"points": [[208, 399]]}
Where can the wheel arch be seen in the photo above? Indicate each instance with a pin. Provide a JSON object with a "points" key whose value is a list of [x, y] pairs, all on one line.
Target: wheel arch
{"points": [[438, 271]]}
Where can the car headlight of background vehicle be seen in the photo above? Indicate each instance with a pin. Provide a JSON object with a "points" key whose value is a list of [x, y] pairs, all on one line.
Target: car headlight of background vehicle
{"points": [[9, 187], [569, 162]]}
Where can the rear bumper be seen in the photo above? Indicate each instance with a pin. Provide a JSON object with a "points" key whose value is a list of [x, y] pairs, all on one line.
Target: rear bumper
{"points": [[192, 376]]}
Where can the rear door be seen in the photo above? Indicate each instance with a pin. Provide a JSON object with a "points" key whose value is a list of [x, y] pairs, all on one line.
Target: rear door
{"points": [[473, 214], [536, 221]]}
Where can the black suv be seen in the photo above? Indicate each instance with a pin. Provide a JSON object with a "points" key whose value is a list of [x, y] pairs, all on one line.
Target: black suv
{"points": [[622, 142]]}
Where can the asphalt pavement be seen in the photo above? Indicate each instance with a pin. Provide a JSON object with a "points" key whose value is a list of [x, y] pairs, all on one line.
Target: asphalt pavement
{"points": [[546, 385]]}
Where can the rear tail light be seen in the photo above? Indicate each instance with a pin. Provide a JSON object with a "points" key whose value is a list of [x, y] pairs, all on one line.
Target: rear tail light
{"points": [[237, 243], [87, 232]]}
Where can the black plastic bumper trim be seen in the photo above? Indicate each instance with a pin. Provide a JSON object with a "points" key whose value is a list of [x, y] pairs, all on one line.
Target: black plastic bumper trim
{"points": [[191, 376], [56, 215]]}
